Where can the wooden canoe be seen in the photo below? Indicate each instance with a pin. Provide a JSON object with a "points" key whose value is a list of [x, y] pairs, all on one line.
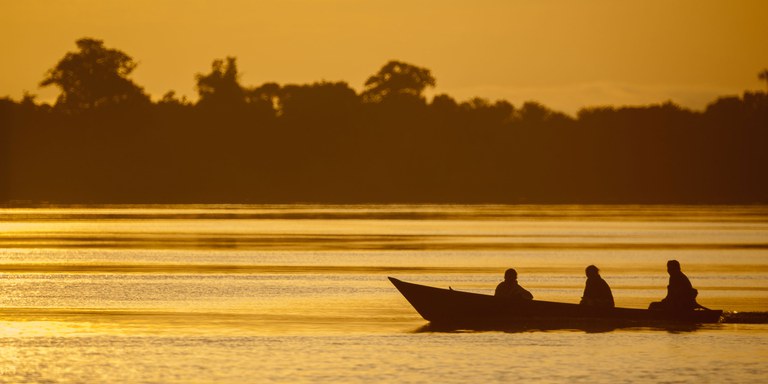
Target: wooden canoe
{"points": [[447, 306]]}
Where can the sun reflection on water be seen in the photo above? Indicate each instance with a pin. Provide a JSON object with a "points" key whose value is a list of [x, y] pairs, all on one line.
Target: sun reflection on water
{"points": [[135, 293]]}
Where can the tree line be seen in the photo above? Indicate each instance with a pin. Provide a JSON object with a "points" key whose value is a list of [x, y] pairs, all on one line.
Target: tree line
{"points": [[105, 141]]}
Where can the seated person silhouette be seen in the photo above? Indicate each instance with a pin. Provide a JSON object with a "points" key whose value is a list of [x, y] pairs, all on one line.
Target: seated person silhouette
{"points": [[510, 289], [597, 293], [681, 296]]}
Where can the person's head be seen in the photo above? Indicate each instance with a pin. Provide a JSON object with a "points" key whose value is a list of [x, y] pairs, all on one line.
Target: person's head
{"points": [[510, 275], [673, 266], [592, 271]]}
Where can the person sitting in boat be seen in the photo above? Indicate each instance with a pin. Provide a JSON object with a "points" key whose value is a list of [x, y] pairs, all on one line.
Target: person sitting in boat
{"points": [[509, 288], [597, 293], [680, 293]]}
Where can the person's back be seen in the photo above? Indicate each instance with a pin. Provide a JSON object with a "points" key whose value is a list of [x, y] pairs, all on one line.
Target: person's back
{"points": [[509, 288], [680, 293], [597, 293]]}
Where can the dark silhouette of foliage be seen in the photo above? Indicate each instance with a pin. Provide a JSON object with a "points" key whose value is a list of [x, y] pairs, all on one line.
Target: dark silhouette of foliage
{"points": [[221, 87], [444, 104], [326, 143], [94, 76], [170, 98], [324, 102], [397, 78], [267, 95]]}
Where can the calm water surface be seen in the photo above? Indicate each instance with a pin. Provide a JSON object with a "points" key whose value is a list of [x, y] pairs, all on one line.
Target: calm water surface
{"points": [[299, 293]]}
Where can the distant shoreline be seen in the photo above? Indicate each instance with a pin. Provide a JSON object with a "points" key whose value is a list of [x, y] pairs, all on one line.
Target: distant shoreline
{"points": [[105, 142]]}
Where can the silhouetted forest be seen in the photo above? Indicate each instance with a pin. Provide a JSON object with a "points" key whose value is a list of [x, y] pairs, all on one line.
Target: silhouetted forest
{"points": [[105, 141]]}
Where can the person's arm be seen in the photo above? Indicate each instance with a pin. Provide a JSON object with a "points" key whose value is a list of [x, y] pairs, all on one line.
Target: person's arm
{"points": [[525, 294], [499, 290], [586, 296], [607, 294]]}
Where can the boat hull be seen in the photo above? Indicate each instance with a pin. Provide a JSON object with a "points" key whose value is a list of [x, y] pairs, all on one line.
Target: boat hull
{"points": [[446, 306]]}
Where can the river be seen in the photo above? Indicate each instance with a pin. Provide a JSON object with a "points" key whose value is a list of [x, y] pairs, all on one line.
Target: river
{"points": [[299, 293]]}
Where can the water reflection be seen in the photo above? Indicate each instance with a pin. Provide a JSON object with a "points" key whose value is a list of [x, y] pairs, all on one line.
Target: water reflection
{"points": [[40, 238], [734, 317], [653, 213], [549, 326], [234, 258], [461, 228]]}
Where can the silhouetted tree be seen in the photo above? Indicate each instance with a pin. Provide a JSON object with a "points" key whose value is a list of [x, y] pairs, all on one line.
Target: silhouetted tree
{"points": [[534, 113], [94, 76], [499, 112], [170, 99], [221, 86], [397, 78], [444, 102], [323, 103], [322, 143], [266, 96], [28, 101]]}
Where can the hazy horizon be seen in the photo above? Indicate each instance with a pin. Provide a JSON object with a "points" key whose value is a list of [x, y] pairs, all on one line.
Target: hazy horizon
{"points": [[564, 55]]}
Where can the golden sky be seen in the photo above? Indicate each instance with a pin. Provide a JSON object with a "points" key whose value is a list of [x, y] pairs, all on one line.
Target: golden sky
{"points": [[565, 54]]}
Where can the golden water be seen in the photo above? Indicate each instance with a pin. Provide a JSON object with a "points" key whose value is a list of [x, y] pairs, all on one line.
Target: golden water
{"points": [[299, 293]]}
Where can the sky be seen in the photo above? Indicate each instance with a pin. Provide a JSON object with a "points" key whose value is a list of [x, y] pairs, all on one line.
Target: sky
{"points": [[565, 54]]}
